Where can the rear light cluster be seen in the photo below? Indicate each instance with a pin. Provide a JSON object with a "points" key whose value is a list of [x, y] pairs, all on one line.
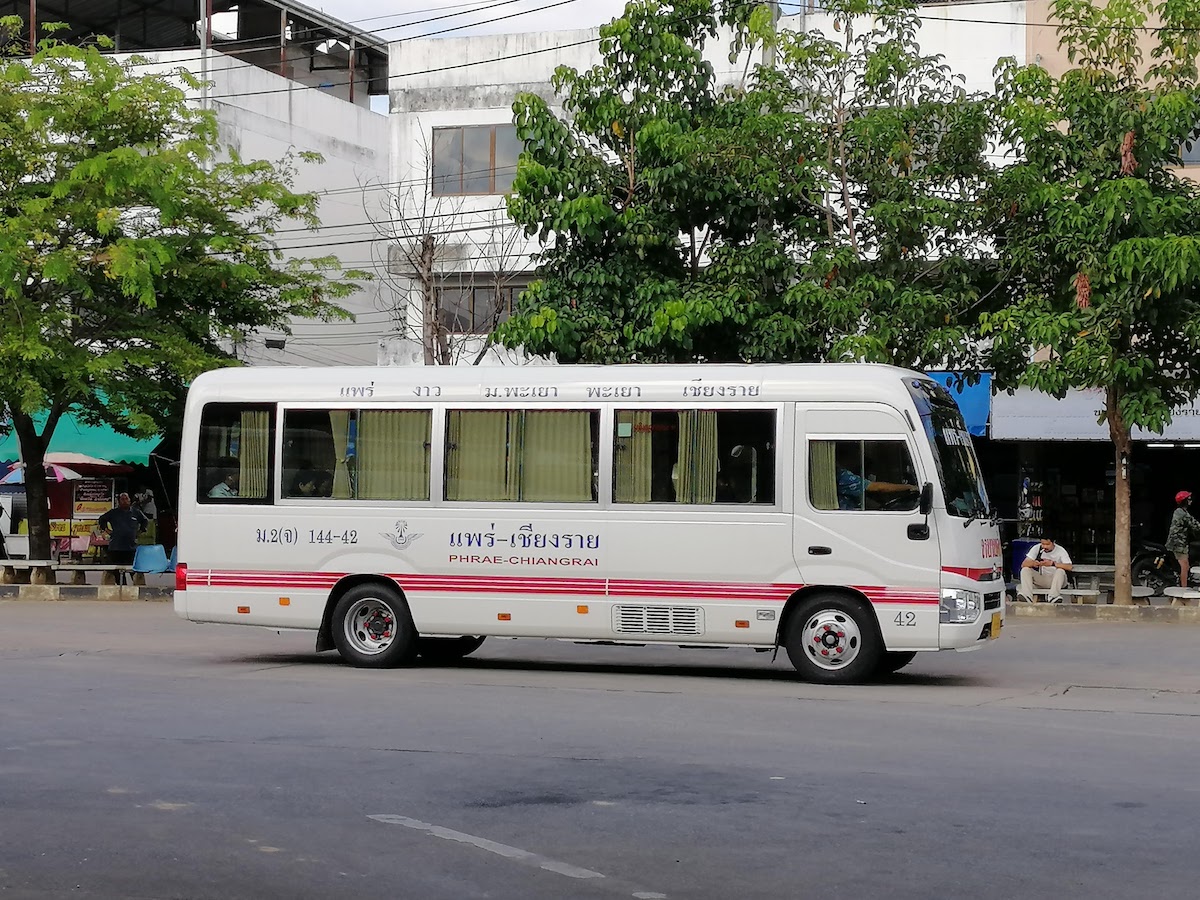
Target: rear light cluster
{"points": [[181, 576]]}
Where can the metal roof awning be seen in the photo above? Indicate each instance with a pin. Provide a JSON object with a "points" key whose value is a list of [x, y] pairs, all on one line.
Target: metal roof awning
{"points": [[145, 25]]}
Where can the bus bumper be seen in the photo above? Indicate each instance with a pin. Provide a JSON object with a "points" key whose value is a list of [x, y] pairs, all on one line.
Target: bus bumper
{"points": [[971, 635]]}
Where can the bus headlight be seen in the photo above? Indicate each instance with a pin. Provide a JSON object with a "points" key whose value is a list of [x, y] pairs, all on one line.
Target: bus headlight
{"points": [[959, 607]]}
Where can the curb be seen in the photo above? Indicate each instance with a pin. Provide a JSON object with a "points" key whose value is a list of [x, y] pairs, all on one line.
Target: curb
{"points": [[107, 592], [1175, 615]]}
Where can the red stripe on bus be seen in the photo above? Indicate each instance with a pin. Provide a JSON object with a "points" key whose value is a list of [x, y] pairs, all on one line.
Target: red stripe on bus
{"points": [[973, 573], [519, 584]]}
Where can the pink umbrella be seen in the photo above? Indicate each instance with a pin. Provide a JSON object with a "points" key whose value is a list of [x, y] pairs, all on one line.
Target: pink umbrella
{"points": [[16, 473]]}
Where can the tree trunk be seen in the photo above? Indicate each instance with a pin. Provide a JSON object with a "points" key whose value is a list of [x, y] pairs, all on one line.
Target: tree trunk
{"points": [[33, 455], [429, 322], [1123, 447]]}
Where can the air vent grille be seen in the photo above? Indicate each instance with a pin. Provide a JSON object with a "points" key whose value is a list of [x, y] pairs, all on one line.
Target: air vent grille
{"points": [[658, 620]]}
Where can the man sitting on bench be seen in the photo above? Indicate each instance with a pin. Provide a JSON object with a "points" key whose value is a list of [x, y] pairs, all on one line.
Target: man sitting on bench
{"points": [[1046, 567]]}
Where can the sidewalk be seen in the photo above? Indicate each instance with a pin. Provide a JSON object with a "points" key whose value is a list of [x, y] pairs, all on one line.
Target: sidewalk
{"points": [[1091, 612]]}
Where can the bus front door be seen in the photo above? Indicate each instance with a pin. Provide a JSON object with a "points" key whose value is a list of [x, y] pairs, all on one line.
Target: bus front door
{"points": [[858, 522]]}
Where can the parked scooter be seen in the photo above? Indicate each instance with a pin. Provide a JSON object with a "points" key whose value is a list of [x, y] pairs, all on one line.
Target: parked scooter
{"points": [[1154, 566]]}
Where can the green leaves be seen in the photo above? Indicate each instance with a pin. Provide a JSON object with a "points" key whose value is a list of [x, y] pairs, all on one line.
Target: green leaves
{"points": [[126, 255], [824, 209]]}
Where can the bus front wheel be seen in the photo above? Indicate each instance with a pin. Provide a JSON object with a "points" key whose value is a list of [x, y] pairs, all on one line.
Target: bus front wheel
{"points": [[372, 628], [832, 639], [437, 651]]}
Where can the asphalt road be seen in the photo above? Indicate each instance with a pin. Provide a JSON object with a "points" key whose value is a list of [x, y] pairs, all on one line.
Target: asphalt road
{"points": [[142, 756]]}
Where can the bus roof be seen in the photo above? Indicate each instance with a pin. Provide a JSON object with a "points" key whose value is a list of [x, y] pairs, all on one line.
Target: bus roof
{"points": [[574, 383]]}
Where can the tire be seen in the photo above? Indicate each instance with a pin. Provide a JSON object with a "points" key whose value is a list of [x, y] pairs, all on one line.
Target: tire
{"points": [[1145, 573], [438, 651], [891, 661], [373, 629], [834, 639]]}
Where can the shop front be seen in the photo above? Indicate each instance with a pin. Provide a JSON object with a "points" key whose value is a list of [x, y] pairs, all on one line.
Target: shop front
{"points": [[1050, 468]]}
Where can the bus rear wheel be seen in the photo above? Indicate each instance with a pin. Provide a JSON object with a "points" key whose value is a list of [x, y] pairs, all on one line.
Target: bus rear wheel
{"points": [[437, 651], [372, 628], [832, 639]]}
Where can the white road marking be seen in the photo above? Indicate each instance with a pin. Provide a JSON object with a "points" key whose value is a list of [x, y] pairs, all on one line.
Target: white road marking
{"points": [[514, 853]]}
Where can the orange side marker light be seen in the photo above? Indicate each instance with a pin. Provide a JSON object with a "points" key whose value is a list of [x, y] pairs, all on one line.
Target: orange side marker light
{"points": [[285, 601], [504, 617], [244, 610], [582, 610], [741, 623]]}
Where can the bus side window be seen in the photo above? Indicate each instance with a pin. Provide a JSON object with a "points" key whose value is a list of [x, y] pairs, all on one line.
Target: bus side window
{"points": [[862, 475], [694, 456], [236, 453], [531, 455]]}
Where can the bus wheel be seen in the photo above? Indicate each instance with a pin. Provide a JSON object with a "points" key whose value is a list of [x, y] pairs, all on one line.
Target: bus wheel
{"points": [[895, 660], [832, 639], [372, 628], [436, 651]]}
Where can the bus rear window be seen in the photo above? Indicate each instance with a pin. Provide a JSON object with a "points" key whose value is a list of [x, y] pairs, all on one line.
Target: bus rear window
{"points": [[235, 456]]}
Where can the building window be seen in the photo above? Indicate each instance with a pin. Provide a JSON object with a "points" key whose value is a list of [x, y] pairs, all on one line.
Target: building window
{"points": [[531, 455], [474, 159], [1190, 152], [467, 309], [237, 446], [694, 456], [861, 475]]}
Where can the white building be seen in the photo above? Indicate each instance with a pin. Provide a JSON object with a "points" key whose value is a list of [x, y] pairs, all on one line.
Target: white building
{"points": [[454, 150]]}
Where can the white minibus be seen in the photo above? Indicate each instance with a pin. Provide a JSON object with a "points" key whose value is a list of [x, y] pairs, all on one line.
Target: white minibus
{"points": [[834, 511]]}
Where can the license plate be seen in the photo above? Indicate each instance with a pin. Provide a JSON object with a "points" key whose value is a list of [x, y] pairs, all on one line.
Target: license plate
{"points": [[997, 624]]}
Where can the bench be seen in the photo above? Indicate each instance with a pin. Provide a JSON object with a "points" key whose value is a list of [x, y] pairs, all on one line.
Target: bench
{"points": [[108, 572], [27, 571], [1181, 595], [1072, 593]]}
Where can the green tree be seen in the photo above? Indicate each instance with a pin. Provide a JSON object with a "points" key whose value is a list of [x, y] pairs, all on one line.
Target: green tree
{"points": [[129, 253], [825, 209], [1100, 234]]}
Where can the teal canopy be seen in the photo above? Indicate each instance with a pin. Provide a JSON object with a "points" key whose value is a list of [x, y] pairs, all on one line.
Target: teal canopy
{"points": [[100, 441]]}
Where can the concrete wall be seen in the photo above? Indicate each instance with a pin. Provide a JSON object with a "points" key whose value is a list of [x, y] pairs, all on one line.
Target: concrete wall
{"points": [[264, 116]]}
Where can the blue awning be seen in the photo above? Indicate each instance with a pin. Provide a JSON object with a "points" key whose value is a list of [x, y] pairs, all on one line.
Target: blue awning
{"points": [[975, 401]]}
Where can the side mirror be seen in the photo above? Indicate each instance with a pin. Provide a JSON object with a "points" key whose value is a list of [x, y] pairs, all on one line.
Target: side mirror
{"points": [[926, 505]]}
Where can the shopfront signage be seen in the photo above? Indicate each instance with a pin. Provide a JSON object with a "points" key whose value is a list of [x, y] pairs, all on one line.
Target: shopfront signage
{"points": [[1030, 415]]}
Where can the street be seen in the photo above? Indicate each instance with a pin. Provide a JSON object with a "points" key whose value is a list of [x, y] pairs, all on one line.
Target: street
{"points": [[146, 757]]}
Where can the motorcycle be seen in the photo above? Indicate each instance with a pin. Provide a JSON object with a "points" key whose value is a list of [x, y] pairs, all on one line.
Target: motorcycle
{"points": [[1155, 567]]}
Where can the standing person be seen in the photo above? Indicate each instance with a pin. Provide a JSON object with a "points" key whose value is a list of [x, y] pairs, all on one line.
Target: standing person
{"points": [[124, 522], [1184, 529], [1045, 566]]}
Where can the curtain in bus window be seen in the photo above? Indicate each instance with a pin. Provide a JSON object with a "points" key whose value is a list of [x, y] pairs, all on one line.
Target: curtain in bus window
{"points": [[255, 444], [556, 456], [393, 454], [633, 456], [343, 463], [697, 472], [822, 474], [480, 464]]}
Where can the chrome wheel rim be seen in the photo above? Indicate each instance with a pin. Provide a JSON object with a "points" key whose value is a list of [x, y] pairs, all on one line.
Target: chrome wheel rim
{"points": [[832, 639], [370, 626]]}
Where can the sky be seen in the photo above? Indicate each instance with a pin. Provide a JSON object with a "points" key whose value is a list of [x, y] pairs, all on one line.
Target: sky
{"points": [[399, 19]]}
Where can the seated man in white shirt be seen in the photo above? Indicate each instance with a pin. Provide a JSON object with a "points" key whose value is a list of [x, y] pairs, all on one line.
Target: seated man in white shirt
{"points": [[1046, 566]]}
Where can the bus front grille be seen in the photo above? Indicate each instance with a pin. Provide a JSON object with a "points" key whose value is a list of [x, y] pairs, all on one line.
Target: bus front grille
{"points": [[658, 620]]}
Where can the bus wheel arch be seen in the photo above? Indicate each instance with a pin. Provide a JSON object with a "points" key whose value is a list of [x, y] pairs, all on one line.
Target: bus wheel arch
{"points": [[853, 629], [325, 632]]}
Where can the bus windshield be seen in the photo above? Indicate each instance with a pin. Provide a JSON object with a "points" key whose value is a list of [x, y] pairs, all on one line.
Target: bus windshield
{"points": [[962, 481]]}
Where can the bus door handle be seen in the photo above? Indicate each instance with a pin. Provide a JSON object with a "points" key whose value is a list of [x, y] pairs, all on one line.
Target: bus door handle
{"points": [[918, 531], [819, 551]]}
